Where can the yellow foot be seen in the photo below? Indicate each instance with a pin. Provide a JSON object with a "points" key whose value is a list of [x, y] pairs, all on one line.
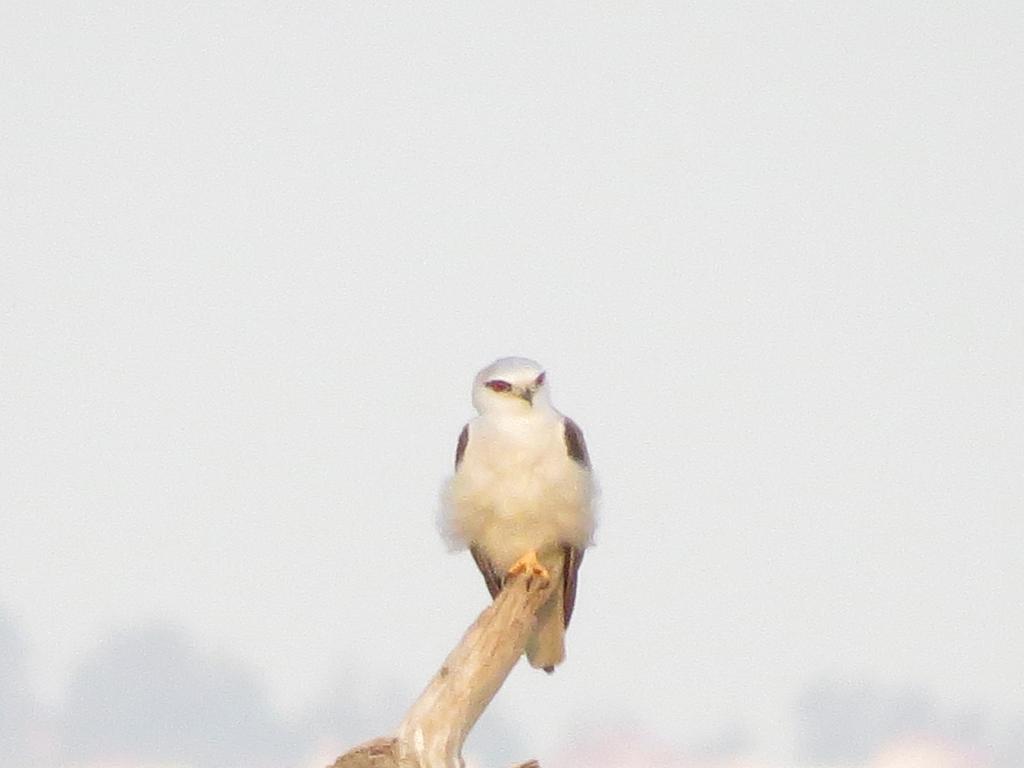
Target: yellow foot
{"points": [[530, 565]]}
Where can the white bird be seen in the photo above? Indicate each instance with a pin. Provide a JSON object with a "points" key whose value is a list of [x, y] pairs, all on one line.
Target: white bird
{"points": [[521, 498]]}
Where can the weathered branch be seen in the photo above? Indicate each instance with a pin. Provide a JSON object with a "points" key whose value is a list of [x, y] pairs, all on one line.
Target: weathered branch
{"points": [[434, 729]]}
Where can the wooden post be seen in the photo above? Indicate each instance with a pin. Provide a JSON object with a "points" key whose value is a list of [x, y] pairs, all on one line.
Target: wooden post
{"points": [[435, 727]]}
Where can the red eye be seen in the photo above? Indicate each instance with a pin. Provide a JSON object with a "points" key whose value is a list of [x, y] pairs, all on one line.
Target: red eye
{"points": [[498, 385], [540, 379]]}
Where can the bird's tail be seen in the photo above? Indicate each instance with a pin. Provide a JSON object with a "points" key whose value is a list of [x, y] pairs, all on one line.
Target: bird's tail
{"points": [[545, 648]]}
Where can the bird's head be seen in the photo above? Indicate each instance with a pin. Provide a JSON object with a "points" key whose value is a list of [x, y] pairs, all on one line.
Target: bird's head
{"points": [[510, 385]]}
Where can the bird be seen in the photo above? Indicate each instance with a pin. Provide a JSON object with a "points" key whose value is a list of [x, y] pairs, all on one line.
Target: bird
{"points": [[521, 498]]}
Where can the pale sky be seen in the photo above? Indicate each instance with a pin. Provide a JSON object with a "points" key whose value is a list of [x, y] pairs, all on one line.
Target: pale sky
{"points": [[771, 255]]}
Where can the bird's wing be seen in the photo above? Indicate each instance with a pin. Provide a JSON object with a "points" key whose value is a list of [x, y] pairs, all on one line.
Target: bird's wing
{"points": [[491, 577], [461, 447], [576, 448], [573, 558], [575, 445]]}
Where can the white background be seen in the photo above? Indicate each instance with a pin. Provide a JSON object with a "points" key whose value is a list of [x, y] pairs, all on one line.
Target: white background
{"points": [[771, 254]]}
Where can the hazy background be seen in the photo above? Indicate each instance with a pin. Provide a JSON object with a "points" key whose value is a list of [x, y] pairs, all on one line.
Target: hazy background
{"points": [[253, 254]]}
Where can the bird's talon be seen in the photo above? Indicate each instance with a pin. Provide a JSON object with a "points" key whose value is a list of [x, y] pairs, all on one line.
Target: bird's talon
{"points": [[531, 566]]}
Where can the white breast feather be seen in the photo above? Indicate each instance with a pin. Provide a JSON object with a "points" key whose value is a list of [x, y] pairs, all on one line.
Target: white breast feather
{"points": [[517, 489]]}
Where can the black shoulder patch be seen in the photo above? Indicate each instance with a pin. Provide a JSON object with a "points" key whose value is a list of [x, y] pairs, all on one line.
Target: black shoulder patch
{"points": [[574, 443], [461, 447]]}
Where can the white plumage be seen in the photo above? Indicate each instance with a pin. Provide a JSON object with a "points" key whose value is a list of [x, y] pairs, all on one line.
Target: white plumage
{"points": [[522, 484]]}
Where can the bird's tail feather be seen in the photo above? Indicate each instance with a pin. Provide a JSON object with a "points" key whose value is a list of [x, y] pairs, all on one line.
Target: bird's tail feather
{"points": [[546, 647]]}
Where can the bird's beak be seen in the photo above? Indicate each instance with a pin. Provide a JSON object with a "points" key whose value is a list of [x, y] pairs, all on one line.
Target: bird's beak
{"points": [[527, 394]]}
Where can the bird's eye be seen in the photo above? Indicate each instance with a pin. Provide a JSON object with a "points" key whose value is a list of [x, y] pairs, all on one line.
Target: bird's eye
{"points": [[498, 385], [539, 380]]}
